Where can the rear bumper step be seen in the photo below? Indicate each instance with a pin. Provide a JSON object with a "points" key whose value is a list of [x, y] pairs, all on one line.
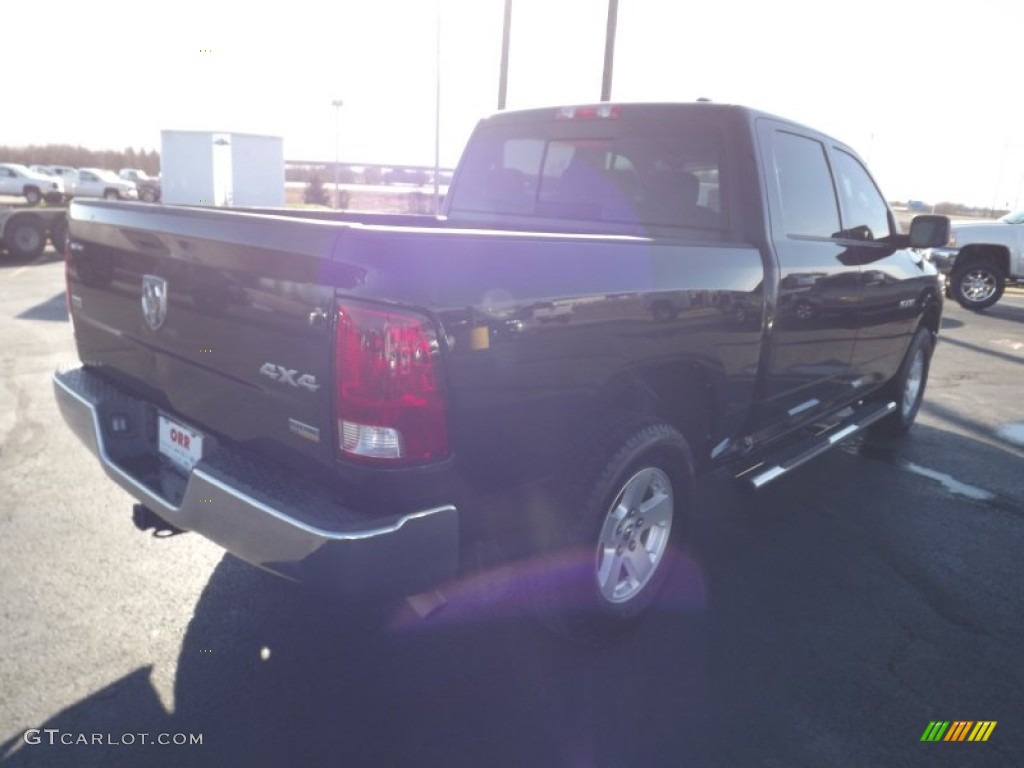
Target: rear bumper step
{"points": [[240, 502], [799, 454]]}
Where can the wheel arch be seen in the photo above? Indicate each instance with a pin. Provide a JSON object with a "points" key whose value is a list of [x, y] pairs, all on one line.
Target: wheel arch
{"points": [[681, 394], [997, 255], [931, 311]]}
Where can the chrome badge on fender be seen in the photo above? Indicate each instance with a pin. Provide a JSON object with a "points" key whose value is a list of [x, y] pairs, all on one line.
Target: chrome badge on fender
{"points": [[154, 300]]}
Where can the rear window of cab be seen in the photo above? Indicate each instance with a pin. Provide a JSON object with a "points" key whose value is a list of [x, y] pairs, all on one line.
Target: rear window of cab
{"points": [[595, 170]]}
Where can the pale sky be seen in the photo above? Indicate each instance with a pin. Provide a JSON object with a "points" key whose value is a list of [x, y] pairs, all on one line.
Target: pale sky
{"points": [[922, 90]]}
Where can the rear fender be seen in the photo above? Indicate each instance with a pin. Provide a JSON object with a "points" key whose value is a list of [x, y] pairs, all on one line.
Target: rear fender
{"points": [[997, 255], [680, 394]]}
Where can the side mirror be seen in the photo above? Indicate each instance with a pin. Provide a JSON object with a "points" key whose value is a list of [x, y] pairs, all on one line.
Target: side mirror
{"points": [[929, 231]]}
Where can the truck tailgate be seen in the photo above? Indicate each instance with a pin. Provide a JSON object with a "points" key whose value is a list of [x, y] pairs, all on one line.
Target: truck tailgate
{"points": [[228, 338]]}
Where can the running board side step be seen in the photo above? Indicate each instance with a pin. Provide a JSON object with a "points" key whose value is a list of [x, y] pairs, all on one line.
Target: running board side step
{"points": [[759, 476]]}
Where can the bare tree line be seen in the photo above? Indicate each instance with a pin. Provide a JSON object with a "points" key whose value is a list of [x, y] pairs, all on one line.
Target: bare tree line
{"points": [[81, 157]]}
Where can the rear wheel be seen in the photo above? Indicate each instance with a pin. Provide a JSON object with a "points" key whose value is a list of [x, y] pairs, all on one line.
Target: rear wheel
{"points": [[977, 285], [25, 236], [634, 535], [907, 387], [33, 195], [624, 508]]}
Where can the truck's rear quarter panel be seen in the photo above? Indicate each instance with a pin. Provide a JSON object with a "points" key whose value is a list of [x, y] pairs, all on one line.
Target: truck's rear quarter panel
{"points": [[538, 327]]}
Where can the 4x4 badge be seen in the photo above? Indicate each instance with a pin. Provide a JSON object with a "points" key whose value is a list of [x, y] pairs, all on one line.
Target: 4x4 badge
{"points": [[284, 375], [154, 300]]}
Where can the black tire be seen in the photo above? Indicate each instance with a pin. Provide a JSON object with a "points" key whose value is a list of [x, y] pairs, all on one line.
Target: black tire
{"points": [[977, 285], [25, 236], [54, 198], [111, 194], [59, 234], [148, 195], [902, 388], [32, 195], [595, 588]]}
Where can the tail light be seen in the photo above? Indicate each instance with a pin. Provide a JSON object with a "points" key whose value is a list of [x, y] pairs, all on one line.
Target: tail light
{"points": [[389, 397]]}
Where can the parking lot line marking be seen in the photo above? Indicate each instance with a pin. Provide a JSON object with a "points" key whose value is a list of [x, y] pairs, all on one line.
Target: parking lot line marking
{"points": [[19, 270], [949, 482]]}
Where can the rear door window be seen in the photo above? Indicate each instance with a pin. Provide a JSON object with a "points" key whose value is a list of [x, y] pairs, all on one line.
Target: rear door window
{"points": [[804, 185]]}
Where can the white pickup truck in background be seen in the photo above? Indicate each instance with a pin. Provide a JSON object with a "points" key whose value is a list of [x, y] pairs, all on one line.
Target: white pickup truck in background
{"points": [[17, 180], [96, 182], [90, 182], [980, 258]]}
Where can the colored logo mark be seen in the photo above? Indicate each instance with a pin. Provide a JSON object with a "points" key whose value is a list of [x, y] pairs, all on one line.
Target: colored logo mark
{"points": [[958, 730]]}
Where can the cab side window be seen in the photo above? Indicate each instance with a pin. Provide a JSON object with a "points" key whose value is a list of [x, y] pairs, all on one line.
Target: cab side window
{"points": [[864, 208], [804, 183]]}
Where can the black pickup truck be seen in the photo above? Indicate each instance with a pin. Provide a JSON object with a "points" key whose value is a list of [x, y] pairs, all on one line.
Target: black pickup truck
{"points": [[617, 298]]}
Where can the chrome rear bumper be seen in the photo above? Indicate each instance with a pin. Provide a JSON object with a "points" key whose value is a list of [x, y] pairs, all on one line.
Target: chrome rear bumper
{"points": [[256, 512]]}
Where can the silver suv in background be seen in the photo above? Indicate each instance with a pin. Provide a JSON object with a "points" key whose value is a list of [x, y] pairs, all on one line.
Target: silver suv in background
{"points": [[148, 186]]}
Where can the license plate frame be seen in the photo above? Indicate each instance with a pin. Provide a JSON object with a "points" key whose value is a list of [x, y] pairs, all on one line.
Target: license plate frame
{"points": [[178, 443]]}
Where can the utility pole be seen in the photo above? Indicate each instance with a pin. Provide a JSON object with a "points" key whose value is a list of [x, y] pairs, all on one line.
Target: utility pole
{"points": [[506, 30], [337, 104], [609, 50]]}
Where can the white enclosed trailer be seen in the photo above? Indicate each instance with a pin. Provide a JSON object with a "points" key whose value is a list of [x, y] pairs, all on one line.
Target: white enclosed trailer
{"points": [[221, 169]]}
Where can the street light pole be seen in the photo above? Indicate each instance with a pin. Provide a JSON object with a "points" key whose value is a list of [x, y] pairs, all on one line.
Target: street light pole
{"points": [[437, 109], [337, 104], [609, 50], [506, 31]]}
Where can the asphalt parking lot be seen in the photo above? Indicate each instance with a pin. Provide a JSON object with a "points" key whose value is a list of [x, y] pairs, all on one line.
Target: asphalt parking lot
{"points": [[824, 622]]}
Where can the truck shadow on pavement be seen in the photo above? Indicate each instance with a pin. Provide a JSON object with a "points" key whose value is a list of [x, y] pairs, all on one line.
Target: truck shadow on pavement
{"points": [[1011, 312], [832, 598], [129, 705], [9, 262], [271, 675], [54, 309], [949, 323], [477, 683]]}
